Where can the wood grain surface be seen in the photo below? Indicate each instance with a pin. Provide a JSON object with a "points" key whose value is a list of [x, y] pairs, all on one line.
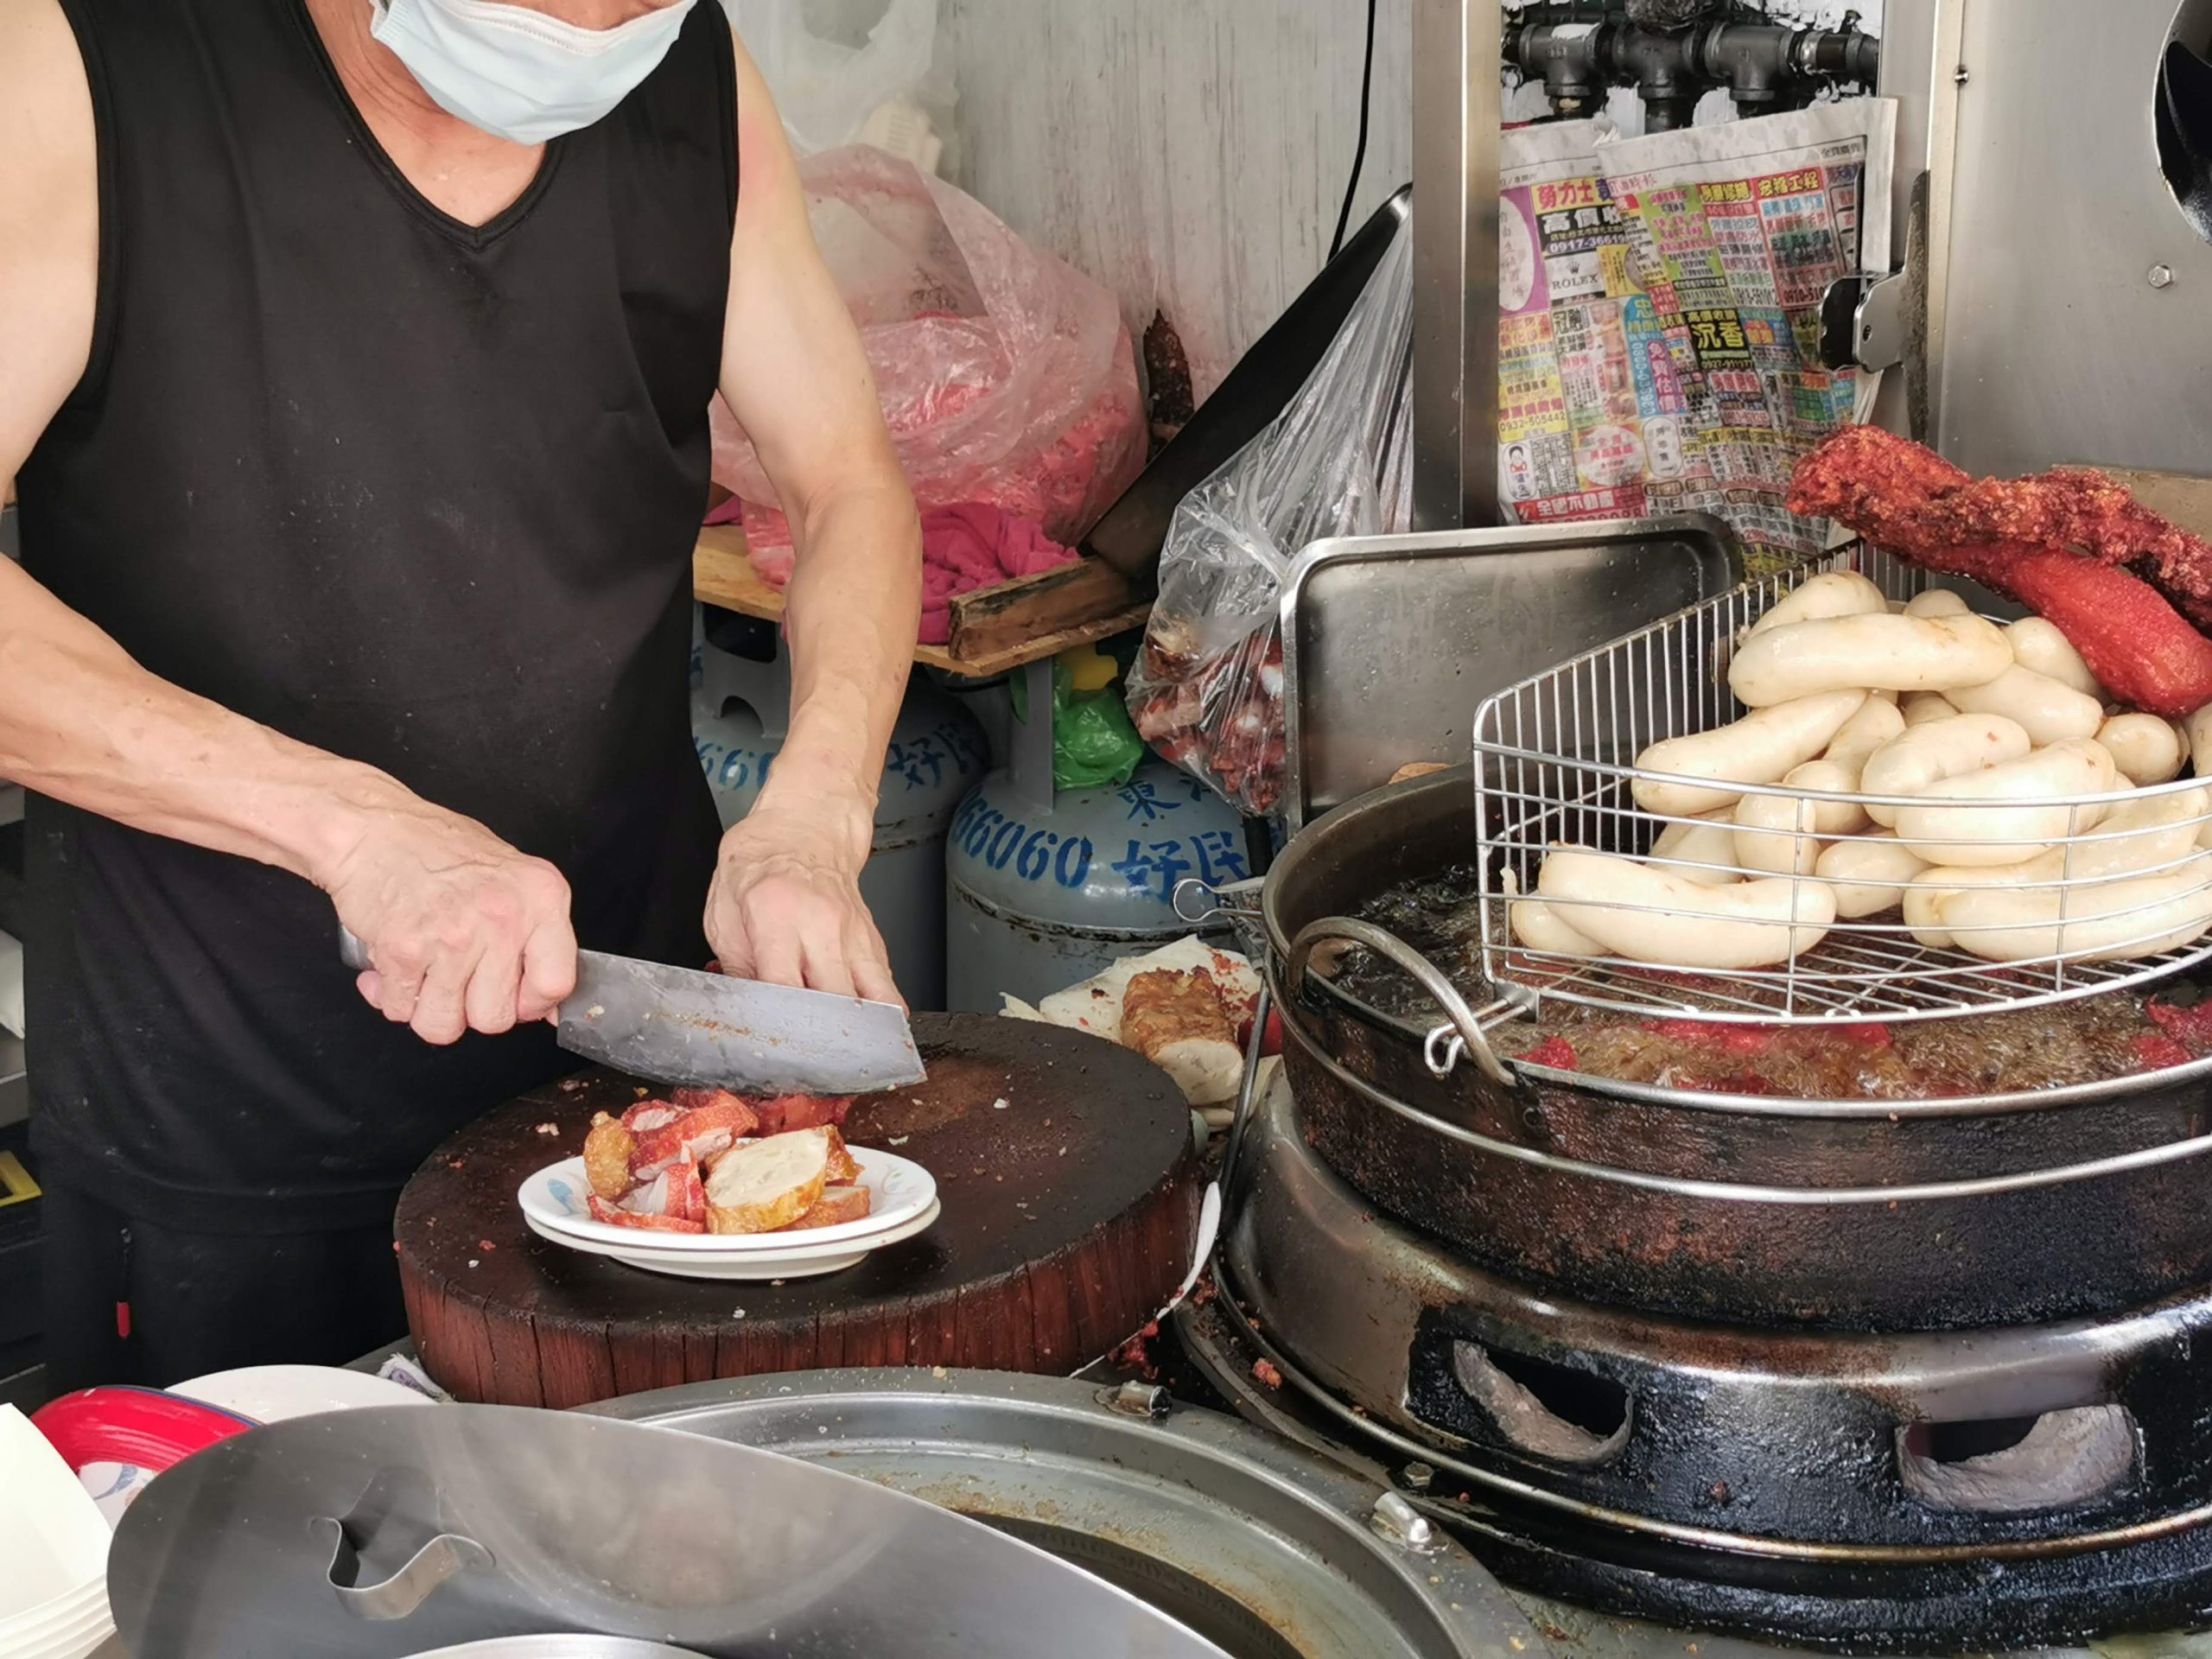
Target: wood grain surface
{"points": [[1069, 1218]]}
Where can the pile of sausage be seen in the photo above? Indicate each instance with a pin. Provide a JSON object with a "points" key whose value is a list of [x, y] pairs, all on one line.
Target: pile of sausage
{"points": [[1918, 759]]}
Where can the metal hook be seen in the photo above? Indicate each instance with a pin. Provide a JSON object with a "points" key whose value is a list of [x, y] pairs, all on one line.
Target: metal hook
{"points": [[446, 1556]]}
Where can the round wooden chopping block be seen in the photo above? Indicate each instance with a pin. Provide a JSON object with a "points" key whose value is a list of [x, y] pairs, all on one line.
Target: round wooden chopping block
{"points": [[1070, 1215]]}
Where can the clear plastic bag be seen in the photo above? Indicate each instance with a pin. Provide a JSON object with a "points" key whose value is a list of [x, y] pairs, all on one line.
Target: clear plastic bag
{"points": [[1006, 375], [825, 89], [1206, 690]]}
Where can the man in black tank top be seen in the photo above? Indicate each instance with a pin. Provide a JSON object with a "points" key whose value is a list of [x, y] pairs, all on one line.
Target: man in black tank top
{"points": [[355, 364]]}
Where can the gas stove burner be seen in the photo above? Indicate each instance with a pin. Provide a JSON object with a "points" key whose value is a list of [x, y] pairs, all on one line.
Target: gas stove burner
{"points": [[1975, 1489]]}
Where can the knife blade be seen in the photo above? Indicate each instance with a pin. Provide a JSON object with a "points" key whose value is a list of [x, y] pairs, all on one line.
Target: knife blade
{"points": [[683, 1027]]}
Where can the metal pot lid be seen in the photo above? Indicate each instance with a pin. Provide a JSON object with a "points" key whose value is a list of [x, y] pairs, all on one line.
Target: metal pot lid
{"points": [[559, 1647], [1270, 1551], [387, 1533]]}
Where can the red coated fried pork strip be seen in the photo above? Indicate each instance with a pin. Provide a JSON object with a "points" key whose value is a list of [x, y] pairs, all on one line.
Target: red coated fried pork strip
{"points": [[1887, 488]]}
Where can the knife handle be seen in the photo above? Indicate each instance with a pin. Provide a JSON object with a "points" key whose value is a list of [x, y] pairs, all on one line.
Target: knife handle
{"points": [[352, 951]]}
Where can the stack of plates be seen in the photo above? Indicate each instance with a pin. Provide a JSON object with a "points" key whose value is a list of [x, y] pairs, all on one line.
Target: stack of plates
{"points": [[901, 1192], [53, 1552]]}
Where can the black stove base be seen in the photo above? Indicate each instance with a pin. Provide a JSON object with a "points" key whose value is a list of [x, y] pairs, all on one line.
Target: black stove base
{"points": [[2156, 1586], [1956, 1490]]}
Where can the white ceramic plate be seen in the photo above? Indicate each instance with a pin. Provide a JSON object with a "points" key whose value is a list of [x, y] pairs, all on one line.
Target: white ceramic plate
{"points": [[899, 1189], [740, 1258], [268, 1394], [77, 1636], [53, 1540]]}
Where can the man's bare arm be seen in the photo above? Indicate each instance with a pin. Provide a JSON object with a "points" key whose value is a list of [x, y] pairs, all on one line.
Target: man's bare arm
{"points": [[794, 374], [464, 930]]}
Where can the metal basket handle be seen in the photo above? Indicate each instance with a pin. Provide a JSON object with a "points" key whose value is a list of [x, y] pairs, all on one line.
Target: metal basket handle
{"points": [[1195, 901], [1461, 1032]]}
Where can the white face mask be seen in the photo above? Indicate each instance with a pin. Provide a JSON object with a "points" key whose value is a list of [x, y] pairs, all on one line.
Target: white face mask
{"points": [[517, 74]]}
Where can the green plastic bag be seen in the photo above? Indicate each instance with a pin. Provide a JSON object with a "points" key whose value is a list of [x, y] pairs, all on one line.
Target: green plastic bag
{"points": [[1093, 741]]}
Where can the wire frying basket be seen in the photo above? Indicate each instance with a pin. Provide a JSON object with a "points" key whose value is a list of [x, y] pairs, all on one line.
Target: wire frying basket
{"points": [[1772, 903]]}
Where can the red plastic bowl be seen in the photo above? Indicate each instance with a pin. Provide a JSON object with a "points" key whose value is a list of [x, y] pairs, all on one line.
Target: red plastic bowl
{"points": [[143, 1427]]}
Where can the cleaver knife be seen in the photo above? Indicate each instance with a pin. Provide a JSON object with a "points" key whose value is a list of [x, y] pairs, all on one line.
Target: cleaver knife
{"points": [[680, 1026]]}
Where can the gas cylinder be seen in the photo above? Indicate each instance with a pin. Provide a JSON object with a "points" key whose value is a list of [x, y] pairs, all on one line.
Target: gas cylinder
{"points": [[1038, 901], [741, 711]]}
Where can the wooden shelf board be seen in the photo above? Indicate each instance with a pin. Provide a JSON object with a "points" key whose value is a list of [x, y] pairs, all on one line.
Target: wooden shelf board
{"points": [[723, 575]]}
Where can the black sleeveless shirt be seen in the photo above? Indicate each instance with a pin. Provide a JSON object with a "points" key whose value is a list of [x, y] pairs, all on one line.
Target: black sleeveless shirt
{"points": [[419, 493]]}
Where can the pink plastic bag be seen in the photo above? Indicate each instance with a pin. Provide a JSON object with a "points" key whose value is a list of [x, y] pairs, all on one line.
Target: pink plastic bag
{"points": [[1007, 375]]}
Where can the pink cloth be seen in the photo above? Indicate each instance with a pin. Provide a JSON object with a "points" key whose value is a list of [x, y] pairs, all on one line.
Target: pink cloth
{"points": [[965, 547], [975, 545]]}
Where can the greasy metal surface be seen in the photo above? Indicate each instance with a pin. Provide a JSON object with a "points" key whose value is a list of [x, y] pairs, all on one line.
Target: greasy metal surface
{"points": [[1274, 1549], [1600, 1596], [686, 1027], [580, 1524], [1755, 1468], [2084, 1246], [1088, 1160], [1456, 96], [1373, 1311], [2088, 361], [1389, 642]]}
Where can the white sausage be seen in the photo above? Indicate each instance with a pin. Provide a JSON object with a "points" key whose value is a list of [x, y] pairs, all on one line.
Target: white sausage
{"points": [[2200, 740], [1937, 602], [2138, 916], [1900, 653], [1756, 749], [1537, 925], [1869, 874], [1827, 776], [2048, 711], [1937, 749], [1702, 850], [1774, 834], [1864, 732], [1972, 832], [2144, 747], [1919, 707], [1936, 883], [2143, 833], [1647, 915], [1837, 593], [2039, 647]]}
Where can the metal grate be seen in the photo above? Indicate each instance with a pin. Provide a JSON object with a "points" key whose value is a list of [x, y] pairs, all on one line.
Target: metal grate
{"points": [[1555, 763]]}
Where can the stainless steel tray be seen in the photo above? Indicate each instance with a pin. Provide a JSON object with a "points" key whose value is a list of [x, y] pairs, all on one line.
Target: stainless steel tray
{"points": [[1389, 642]]}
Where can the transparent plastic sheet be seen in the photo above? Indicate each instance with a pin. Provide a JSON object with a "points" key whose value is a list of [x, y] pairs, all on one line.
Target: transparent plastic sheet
{"points": [[1005, 376], [825, 89], [1206, 690]]}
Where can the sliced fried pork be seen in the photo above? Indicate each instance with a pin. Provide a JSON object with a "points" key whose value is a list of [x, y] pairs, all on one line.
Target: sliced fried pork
{"points": [[606, 1157], [785, 1113], [1176, 1021], [650, 1115], [615, 1216], [696, 1134], [838, 1205], [843, 1169]]}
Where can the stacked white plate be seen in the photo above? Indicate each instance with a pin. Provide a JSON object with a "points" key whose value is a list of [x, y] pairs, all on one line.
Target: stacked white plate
{"points": [[902, 1198], [53, 1552]]}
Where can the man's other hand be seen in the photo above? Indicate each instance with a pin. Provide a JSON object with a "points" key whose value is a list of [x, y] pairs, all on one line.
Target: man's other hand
{"points": [[786, 906]]}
